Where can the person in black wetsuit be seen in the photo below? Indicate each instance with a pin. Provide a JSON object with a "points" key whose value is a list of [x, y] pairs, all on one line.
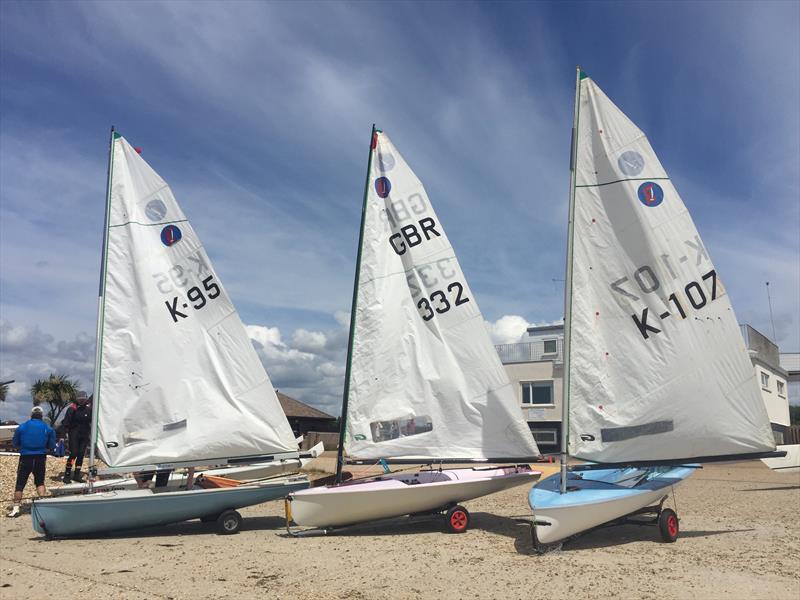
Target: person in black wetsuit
{"points": [[78, 425]]}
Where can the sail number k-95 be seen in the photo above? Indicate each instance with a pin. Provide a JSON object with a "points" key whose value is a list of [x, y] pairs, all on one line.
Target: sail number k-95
{"points": [[195, 296]]}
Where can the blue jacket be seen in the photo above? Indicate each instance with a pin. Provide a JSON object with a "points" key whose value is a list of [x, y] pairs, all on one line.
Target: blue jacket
{"points": [[34, 437]]}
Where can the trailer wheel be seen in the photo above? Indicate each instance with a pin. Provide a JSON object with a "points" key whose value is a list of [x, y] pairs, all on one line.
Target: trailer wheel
{"points": [[229, 522], [668, 525], [457, 519]]}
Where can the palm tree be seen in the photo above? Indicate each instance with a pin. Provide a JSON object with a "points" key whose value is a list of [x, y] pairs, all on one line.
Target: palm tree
{"points": [[3, 391], [57, 391]]}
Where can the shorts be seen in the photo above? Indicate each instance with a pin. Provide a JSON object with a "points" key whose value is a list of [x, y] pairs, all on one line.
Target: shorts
{"points": [[30, 463], [162, 477]]}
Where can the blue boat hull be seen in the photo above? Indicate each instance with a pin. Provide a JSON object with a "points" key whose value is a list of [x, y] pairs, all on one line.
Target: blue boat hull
{"points": [[105, 512], [598, 496]]}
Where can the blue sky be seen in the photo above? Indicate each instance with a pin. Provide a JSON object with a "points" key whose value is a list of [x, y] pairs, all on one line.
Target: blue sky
{"points": [[258, 115]]}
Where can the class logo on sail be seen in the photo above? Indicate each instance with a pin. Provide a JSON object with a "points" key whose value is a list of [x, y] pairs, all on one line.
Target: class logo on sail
{"points": [[385, 162], [171, 235], [651, 194], [383, 186], [155, 210]]}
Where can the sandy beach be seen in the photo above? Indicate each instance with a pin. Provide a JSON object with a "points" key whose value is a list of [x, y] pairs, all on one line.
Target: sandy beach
{"points": [[740, 538]]}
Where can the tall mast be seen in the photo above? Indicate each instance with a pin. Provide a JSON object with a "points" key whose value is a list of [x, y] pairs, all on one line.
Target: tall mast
{"points": [[573, 160], [353, 307], [98, 355]]}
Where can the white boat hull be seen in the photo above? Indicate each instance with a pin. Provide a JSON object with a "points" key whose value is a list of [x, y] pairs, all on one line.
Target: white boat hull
{"points": [[590, 503], [787, 464], [178, 480], [400, 494], [7, 432]]}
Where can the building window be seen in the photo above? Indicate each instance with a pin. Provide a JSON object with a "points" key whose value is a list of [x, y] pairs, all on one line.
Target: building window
{"points": [[764, 380], [550, 346], [545, 437], [537, 393], [781, 387]]}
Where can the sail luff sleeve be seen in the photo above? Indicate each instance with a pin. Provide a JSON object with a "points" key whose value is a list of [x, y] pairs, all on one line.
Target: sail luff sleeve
{"points": [[568, 285], [353, 309], [98, 353]]}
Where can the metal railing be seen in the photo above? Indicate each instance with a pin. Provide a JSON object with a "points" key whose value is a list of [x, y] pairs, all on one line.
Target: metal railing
{"points": [[761, 346], [530, 351]]}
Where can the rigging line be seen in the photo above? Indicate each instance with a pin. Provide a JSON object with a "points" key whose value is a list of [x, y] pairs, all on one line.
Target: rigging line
{"points": [[675, 499], [147, 224], [591, 185]]}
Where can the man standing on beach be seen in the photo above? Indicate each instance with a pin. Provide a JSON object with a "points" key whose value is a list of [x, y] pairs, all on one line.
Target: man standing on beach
{"points": [[77, 424], [33, 438]]}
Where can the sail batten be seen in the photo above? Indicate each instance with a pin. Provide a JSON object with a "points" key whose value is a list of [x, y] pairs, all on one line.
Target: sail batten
{"points": [[425, 381], [657, 367], [179, 380]]}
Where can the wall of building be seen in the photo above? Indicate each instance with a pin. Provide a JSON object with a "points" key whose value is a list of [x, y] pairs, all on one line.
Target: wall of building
{"points": [[544, 420]]}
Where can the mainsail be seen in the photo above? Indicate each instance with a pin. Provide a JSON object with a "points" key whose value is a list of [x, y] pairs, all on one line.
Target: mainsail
{"points": [[657, 367], [425, 379], [179, 379]]}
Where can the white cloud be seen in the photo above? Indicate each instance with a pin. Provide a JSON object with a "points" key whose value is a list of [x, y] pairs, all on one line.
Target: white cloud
{"points": [[28, 354], [508, 329]]}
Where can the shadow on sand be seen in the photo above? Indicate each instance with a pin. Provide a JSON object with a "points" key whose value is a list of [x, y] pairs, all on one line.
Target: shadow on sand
{"points": [[185, 528], [519, 529]]}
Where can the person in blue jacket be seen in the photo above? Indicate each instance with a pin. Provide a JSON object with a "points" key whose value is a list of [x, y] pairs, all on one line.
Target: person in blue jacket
{"points": [[33, 438]]}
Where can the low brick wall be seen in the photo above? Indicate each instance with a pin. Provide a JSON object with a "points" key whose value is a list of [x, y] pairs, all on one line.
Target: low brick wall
{"points": [[329, 438]]}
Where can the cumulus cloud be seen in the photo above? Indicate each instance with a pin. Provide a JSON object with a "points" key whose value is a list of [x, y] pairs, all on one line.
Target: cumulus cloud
{"points": [[310, 367], [28, 354], [508, 329]]}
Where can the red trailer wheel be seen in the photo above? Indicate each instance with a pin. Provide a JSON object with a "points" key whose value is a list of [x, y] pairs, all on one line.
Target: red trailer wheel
{"points": [[668, 525], [457, 519]]}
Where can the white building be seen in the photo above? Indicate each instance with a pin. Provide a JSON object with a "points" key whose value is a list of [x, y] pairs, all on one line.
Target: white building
{"points": [[771, 376], [535, 368], [790, 362]]}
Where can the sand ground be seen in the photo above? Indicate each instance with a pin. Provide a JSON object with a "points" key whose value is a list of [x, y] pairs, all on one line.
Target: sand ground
{"points": [[740, 539]]}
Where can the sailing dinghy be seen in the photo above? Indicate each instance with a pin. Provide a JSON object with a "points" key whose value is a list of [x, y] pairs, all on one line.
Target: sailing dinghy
{"points": [[656, 373], [789, 463], [179, 480], [177, 381], [423, 383]]}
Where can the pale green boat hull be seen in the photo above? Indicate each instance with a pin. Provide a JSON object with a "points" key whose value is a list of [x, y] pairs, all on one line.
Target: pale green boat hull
{"points": [[106, 512]]}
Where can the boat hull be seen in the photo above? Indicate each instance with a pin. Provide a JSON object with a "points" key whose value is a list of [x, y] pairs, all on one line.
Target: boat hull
{"points": [[178, 480], [597, 497], [400, 494], [786, 464], [118, 510]]}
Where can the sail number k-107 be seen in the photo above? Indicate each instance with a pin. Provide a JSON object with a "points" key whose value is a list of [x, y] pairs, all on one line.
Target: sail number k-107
{"points": [[697, 294], [694, 293]]}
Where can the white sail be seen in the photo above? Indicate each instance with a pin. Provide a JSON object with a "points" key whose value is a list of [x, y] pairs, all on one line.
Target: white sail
{"points": [[425, 380], [658, 368], [179, 378]]}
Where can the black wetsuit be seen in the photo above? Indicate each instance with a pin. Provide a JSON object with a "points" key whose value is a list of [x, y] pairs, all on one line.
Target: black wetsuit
{"points": [[78, 425]]}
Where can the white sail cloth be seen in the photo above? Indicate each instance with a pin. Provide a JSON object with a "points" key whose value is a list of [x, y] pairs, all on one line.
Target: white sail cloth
{"points": [[658, 368], [179, 380], [426, 380]]}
